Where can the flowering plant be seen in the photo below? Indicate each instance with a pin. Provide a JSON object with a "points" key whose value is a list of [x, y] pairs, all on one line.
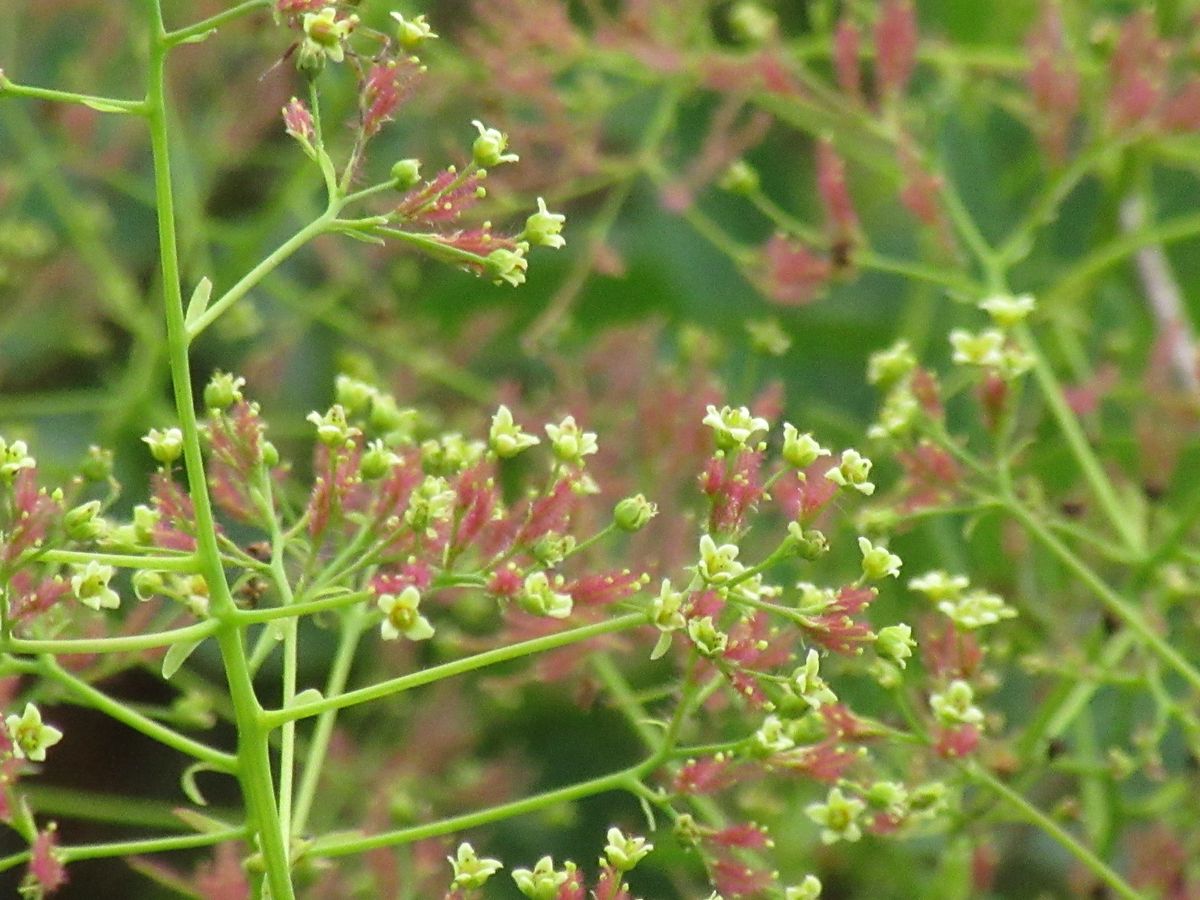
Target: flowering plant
{"points": [[792, 652]]}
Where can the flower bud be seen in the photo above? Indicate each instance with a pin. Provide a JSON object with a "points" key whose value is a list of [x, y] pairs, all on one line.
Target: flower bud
{"points": [[488, 149], [354, 394], [634, 513], [83, 523], [332, 429], [895, 642], [800, 450], [270, 455], [377, 461], [544, 228], [878, 562], [412, 33], [623, 853], [809, 544], [223, 390], [406, 173], [97, 465], [739, 178]]}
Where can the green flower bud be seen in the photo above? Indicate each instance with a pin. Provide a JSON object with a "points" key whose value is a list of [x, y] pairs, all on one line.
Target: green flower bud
{"points": [[97, 465], [543, 228], [895, 642], [488, 149], [739, 178], [411, 34], [83, 523], [406, 173], [223, 390], [634, 513]]}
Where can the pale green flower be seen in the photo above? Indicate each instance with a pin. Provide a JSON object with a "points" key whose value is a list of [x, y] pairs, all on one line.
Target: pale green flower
{"points": [[734, 428], [90, 586], [838, 816], [401, 617], [569, 442], [956, 705], [30, 736], [540, 598], [624, 853], [469, 870], [852, 471], [878, 562], [506, 437]]}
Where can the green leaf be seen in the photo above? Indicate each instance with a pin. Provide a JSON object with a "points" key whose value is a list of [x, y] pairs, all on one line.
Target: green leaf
{"points": [[177, 656], [312, 695], [663, 645], [199, 822], [199, 302], [199, 38], [101, 106], [187, 781]]}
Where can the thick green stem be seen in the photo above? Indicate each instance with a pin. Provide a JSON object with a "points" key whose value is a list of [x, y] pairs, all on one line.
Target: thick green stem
{"points": [[254, 763]]}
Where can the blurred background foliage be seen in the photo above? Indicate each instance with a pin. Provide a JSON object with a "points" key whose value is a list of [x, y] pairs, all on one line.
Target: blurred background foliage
{"points": [[626, 115]]}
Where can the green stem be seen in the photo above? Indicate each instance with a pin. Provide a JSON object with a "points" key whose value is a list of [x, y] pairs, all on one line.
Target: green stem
{"points": [[625, 779], [122, 713], [1035, 816], [253, 756], [276, 718], [308, 608], [180, 35], [339, 674], [1112, 601], [187, 563], [127, 644], [150, 845], [260, 271], [102, 104], [1085, 457]]}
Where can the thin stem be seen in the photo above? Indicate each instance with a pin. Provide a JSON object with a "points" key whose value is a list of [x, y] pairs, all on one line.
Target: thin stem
{"points": [[275, 718], [101, 104], [1085, 457], [259, 272], [122, 713], [625, 779], [127, 644], [201, 28], [308, 608], [339, 675], [186, 563], [150, 845], [1112, 601], [1035, 816]]}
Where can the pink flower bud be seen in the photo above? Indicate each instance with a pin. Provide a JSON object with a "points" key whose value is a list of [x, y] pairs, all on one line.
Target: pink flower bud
{"points": [[895, 47]]}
